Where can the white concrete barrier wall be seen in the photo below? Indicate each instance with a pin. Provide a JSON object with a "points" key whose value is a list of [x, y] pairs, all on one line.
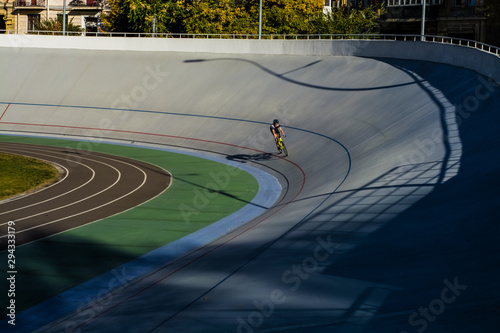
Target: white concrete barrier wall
{"points": [[461, 56]]}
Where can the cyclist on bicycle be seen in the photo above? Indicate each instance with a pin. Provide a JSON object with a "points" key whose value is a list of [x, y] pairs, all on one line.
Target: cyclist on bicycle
{"points": [[276, 130]]}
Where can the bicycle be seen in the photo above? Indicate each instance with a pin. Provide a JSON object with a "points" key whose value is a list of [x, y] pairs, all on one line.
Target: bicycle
{"points": [[281, 146]]}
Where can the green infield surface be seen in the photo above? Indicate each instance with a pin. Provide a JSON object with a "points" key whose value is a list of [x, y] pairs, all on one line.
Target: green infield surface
{"points": [[52, 265]]}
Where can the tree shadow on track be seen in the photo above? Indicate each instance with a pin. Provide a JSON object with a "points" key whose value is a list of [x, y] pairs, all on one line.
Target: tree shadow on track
{"points": [[304, 84]]}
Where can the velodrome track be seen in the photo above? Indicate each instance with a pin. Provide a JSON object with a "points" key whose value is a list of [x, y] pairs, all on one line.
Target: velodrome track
{"points": [[93, 186], [390, 218]]}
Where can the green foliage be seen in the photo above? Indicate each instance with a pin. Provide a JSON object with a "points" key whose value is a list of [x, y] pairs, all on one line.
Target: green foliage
{"points": [[52, 24], [215, 17], [290, 17], [493, 12], [357, 21], [236, 17], [117, 18], [137, 16]]}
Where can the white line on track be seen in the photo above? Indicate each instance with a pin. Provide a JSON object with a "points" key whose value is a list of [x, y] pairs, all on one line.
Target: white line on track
{"points": [[57, 196], [89, 210], [78, 201], [66, 175], [96, 220], [59, 182], [94, 208]]}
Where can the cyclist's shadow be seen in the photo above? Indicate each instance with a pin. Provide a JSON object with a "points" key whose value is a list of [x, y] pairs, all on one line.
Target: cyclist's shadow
{"points": [[243, 158]]}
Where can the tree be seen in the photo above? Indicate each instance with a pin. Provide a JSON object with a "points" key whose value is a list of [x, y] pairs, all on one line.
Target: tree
{"points": [[52, 24], [217, 17], [117, 18], [137, 16], [211, 16], [362, 20], [236, 17], [492, 22], [290, 17]]}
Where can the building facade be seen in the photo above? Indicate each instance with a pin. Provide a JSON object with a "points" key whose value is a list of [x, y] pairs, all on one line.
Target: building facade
{"points": [[22, 16], [453, 18]]}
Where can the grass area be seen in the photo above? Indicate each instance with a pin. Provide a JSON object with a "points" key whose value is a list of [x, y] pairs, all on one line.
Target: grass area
{"points": [[19, 174]]}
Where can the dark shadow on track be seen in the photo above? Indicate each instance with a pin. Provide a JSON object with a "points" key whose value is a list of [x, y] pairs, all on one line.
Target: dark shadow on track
{"points": [[43, 272], [243, 158], [215, 190], [304, 84]]}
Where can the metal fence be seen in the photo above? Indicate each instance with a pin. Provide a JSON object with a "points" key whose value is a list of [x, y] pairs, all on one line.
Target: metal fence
{"points": [[408, 38]]}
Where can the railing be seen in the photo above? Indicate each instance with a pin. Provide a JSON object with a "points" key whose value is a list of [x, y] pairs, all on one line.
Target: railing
{"points": [[29, 3], [408, 38], [393, 3], [332, 3], [84, 3], [464, 42], [41, 3]]}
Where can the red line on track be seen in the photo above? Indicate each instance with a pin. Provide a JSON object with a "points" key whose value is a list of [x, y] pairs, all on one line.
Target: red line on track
{"points": [[202, 255], [165, 136], [4, 111]]}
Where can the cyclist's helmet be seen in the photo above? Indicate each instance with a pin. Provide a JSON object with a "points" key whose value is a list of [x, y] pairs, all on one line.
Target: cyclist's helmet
{"points": [[275, 121]]}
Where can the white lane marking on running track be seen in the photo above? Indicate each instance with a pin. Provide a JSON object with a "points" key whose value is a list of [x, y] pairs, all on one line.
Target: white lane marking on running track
{"points": [[38, 191], [166, 188], [61, 207], [91, 178], [92, 209], [89, 210], [57, 196], [78, 201]]}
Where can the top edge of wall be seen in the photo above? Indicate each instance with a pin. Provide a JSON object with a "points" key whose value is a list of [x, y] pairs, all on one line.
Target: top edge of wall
{"points": [[461, 56]]}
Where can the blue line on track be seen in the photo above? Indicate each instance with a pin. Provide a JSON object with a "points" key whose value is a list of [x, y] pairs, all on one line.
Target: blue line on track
{"points": [[211, 117], [154, 254]]}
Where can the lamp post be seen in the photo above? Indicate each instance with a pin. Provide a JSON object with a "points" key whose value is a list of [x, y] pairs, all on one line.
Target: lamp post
{"points": [[260, 20], [154, 25], [64, 18], [422, 38]]}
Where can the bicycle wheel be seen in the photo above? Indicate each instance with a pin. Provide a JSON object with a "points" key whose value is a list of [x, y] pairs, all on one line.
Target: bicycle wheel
{"points": [[285, 151], [279, 144]]}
